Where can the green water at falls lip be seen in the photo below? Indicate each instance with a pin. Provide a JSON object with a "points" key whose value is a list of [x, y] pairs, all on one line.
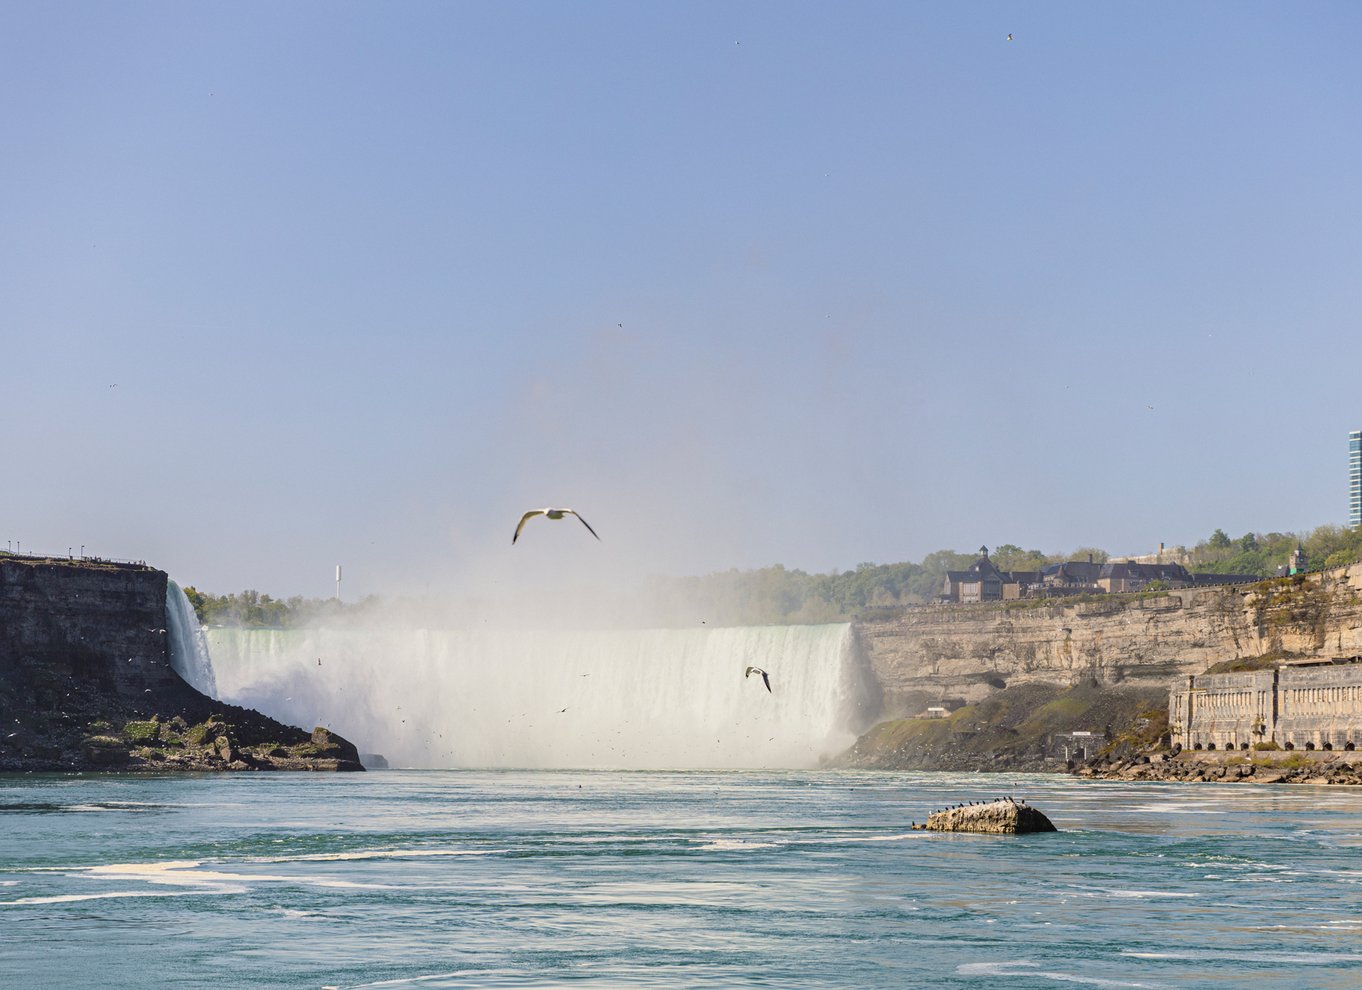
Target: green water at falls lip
{"points": [[621, 698], [738, 878]]}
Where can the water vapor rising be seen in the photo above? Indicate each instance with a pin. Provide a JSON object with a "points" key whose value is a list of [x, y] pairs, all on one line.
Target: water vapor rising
{"points": [[649, 698]]}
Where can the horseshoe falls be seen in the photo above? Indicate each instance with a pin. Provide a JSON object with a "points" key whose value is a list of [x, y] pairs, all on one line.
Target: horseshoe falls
{"points": [[620, 699]]}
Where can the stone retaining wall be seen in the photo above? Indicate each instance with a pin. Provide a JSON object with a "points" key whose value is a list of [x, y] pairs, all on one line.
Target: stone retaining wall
{"points": [[1314, 707]]}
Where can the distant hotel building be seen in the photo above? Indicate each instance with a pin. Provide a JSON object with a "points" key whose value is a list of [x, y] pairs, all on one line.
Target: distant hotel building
{"points": [[1355, 478]]}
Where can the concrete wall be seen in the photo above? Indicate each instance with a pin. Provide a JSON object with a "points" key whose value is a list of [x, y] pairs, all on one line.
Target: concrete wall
{"points": [[1296, 708], [1224, 711], [1321, 707]]}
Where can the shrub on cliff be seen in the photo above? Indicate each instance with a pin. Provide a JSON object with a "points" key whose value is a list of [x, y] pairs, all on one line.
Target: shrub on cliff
{"points": [[142, 732]]}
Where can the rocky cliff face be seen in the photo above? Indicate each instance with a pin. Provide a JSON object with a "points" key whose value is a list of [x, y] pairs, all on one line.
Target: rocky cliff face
{"points": [[99, 624], [923, 656], [86, 682]]}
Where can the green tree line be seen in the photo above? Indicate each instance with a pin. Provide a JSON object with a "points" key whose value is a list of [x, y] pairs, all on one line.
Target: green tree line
{"points": [[776, 594], [251, 609], [1262, 553]]}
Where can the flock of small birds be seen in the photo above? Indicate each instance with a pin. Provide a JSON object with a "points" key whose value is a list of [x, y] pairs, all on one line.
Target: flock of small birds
{"points": [[1005, 799]]}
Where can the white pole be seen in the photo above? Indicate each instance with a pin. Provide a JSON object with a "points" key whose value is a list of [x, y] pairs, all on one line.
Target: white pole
{"points": [[338, 580]]}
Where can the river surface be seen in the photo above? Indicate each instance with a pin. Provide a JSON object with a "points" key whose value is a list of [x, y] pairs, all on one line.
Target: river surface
{"points": [[434, 878]]}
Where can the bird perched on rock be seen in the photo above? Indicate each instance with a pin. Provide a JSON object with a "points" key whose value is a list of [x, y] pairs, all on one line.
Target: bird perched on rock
{"points": [[552, 514], [764, 678]]}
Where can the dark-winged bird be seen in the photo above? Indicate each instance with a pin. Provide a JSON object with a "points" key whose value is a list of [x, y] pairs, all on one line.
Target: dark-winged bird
{"points": [[757, 670]]}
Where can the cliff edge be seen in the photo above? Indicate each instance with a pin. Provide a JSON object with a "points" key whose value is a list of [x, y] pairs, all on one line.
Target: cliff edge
{"points": [[86, 682]]}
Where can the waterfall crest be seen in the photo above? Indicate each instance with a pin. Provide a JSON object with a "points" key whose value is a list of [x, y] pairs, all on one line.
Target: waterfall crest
{"points": [[188, 648], [635, 699]]}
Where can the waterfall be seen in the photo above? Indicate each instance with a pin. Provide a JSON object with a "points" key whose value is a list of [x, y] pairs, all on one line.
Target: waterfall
{"points": [[653, 698], [188, 648]]}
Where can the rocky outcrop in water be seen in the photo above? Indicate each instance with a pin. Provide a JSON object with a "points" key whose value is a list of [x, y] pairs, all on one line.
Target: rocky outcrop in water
{"points": [[86, 683], [1005, 816]]}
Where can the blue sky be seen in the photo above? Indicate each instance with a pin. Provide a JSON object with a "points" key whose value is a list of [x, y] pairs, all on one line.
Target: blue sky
{"points": [[287, 285]]}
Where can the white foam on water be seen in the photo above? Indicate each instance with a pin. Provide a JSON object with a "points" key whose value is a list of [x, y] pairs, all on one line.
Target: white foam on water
{"points": [[375, 854], [193, 875], [620, 699], [1174, 808], [731, 845], [294, 913], [1024, 967], [1288, 958], [1122, 893], [107, 895], [426, 978], [182, 873]]}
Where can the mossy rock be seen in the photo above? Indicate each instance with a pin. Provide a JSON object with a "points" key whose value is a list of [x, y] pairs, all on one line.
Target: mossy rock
{"points": [[104, 750], [205, 733], [142, 732]]}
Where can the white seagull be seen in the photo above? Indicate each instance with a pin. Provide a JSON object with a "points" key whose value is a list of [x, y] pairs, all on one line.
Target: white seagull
{"points": [[552, 514], [764, 679]]}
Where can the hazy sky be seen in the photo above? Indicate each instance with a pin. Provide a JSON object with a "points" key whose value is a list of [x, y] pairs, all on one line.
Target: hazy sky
{"points": [[290, 285]]}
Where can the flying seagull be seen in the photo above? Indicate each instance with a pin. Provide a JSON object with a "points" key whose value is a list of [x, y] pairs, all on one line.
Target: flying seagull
{"points": [[552, 514], [764, 679]]}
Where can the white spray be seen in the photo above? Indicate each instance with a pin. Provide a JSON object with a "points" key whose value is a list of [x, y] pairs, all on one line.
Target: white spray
{"points": [[188, 648], [653, 698]]}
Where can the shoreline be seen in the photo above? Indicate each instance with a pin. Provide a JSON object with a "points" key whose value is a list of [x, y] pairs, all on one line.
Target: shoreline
{"points": [[1229, 767]]}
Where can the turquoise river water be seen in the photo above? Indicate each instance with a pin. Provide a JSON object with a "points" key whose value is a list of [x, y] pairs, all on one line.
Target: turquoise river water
{"points": [[433, 878]]}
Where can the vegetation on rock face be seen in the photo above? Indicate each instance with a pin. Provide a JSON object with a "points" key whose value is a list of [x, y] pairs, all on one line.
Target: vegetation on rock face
{"points": [[1013, 729], [1239, 665], [252, 610], [142, 732], [1263, 553]]}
